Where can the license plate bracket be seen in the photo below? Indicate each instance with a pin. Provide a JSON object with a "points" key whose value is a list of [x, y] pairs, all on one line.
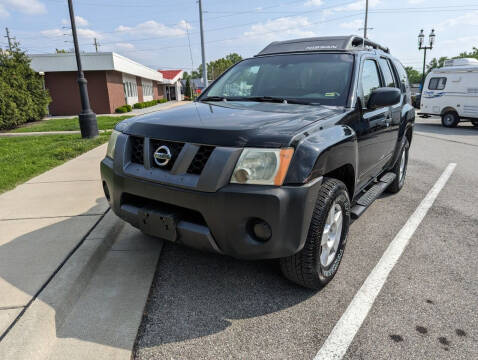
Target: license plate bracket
{"points": [[158, 223]]}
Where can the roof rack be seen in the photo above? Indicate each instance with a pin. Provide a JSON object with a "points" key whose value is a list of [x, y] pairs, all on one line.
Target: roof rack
{"points": [[327, 43]]}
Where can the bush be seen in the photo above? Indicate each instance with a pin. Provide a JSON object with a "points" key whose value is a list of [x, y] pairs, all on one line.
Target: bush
{"points": [[146, 104], [22, 95], [123, 109], [163, 100]]}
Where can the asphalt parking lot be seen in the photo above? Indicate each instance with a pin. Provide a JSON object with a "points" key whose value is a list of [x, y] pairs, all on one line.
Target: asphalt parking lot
{"points": [[204, 306]]}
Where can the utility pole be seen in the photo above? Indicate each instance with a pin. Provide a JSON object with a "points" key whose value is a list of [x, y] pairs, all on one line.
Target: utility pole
{"points": [[366, 20], [203, 52], [97, 44], [87, 118], [9, 39]]}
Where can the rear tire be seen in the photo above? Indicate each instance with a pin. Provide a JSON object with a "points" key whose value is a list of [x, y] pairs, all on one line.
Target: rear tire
{"points": [[400, 170], [450, 119], [317, 263]]}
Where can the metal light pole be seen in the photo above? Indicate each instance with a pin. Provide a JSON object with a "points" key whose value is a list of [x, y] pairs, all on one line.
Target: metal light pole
{"points": [[431, 42], [203, 52], [88, 123]]}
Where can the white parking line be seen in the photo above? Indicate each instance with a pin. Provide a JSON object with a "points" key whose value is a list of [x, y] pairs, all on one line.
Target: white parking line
{"points": [[338, 341]]}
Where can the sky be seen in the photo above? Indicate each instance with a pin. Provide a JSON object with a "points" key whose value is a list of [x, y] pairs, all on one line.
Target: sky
{"points": [[165, 34]]}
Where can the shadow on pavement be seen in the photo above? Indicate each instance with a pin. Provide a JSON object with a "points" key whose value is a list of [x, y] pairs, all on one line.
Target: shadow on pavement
{"points": [[30, 261], [463, 129], [195, 294]]}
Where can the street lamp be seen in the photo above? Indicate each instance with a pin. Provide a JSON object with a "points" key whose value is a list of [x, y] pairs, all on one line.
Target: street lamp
{"points": [[431, 42], [87, 118]]}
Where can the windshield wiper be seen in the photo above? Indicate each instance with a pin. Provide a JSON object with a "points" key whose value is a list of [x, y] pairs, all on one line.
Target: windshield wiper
{"points": [[278, 100], [214, 98]]}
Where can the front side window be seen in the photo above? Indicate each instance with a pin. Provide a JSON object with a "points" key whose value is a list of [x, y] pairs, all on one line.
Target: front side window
{"points": [[437, 83], [370, 78], [306, 78]]}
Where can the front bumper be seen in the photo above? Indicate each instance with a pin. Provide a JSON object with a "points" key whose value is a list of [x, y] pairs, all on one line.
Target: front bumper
{"points": [[220, 220]]}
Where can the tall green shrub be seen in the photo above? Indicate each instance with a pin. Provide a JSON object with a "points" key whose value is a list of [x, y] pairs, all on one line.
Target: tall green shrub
{"points": [[22, 96]]}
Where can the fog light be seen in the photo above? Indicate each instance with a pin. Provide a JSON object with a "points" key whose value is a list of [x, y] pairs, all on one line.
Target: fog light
{"points": [[106, 190], [261, 230]]}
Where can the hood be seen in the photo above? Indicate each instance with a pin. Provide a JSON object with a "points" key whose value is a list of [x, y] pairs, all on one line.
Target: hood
{"points": [[229, 124]]}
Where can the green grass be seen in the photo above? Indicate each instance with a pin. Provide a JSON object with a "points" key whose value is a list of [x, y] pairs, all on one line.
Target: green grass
{"points": [[104, 123], [22, 158]]}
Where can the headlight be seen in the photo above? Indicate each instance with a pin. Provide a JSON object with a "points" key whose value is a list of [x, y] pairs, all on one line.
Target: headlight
{"points": [[262, 166], [110, 152]]}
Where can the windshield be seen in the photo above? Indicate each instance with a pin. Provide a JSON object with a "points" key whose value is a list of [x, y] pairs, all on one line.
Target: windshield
{"points": [[308, 79]]}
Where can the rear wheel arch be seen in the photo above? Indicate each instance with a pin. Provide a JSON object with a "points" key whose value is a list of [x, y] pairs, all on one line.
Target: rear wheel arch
{"points": [[448, 109]]}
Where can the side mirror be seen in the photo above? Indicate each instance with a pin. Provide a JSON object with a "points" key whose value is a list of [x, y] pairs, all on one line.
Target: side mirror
{"points": [[385, 96]]}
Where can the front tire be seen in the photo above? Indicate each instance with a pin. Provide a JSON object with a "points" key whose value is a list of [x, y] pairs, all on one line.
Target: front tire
{"points": [[317, 263], [450, 119]]}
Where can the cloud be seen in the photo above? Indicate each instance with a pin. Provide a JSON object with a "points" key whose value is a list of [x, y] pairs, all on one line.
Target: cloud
{"points": [[470, 18], [415, 2], [3, 11], [29, 7], [82, 33], [51, 33], [313, 3], [79, 21], [354, 24], [88, 34], [124, 46], [154, 28], [355, 6], [298, 26]]}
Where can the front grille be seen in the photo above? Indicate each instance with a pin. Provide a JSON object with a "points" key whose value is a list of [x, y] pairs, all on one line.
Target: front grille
{"points": [[174, 147], [197, 164], [137, 149], [200, 159]]}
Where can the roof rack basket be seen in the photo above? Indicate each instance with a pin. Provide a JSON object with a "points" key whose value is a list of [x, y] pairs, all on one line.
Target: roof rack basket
{"points": [[358, 41]]}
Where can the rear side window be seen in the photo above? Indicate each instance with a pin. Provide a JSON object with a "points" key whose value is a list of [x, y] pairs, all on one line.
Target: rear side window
{"points": [[403, 77], [437, 83], [387, 73], [370, 78]]}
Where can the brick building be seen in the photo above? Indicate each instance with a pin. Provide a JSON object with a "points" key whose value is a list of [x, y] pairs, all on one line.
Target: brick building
{"points": [[113, 80]]}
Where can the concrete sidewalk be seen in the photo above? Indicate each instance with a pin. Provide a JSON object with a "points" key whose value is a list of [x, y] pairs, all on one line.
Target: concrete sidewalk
{"points": [[74, 278], [42, 221]]}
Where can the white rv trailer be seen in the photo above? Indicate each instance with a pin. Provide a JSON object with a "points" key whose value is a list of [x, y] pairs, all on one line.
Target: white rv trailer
{"points": [[452, 92]]}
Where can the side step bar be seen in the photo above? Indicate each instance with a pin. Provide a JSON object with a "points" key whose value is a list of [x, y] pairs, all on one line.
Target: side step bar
{"points": [[371, 195]]}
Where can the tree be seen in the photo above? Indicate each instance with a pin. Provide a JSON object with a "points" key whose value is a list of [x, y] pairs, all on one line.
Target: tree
{"points": [[22, 94], [440, 62], [436, 63], [188, 89], [413, 75], [471, 54], [216, 67]]}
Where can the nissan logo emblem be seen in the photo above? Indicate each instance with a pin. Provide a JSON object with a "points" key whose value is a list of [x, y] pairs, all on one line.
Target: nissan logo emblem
{"points": [[162, 156]]}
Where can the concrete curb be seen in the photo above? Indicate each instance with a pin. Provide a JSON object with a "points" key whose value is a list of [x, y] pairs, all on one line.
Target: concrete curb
{"points": [[34, 331]]}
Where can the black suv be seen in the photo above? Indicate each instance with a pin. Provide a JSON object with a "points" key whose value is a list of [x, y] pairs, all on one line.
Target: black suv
{"points": [[274, 159]]}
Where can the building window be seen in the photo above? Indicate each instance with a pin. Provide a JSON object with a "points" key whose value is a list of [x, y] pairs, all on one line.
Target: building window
{"points": [[437, 83]]}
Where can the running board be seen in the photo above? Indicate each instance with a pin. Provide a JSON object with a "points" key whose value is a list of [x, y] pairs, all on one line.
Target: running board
{"points": [[371, 195]]}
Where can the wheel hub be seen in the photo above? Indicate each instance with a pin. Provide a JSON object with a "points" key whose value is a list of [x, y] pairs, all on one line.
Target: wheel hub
{"points": [[331, 235]]}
